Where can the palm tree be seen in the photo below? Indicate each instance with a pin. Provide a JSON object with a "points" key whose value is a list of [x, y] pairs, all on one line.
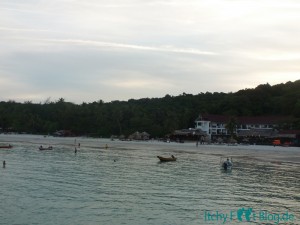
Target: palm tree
{"points": [[231, 126]]}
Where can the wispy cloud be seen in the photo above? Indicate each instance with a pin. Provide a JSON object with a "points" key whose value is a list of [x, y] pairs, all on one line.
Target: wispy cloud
{"points": [[168, 49], [14, 29]]}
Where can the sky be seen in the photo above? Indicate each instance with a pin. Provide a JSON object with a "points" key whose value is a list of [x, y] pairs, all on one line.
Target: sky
{"points": [[91, 50]]}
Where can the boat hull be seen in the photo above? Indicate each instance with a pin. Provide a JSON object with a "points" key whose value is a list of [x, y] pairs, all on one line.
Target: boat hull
{"points": [[42, 149], [164, 159], [4, 146]]}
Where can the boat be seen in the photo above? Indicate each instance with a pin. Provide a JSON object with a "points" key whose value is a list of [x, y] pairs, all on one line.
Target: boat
{"points": [[47, 148], [6, 146], [169, 159], [226, 164]]}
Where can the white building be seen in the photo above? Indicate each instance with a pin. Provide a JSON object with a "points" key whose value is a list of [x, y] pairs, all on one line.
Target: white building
{"points": [[215, 125]]}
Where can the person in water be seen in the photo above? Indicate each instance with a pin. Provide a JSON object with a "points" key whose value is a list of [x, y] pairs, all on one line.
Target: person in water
{"points": [[225, 165], [229, 163], [4, 164]]}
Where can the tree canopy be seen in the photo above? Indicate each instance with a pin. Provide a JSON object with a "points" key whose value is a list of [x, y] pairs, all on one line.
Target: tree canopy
{"points": [[157, 116]]}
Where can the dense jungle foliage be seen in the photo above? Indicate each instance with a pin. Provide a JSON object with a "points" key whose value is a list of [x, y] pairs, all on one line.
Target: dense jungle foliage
{"points": [[157, 116]]}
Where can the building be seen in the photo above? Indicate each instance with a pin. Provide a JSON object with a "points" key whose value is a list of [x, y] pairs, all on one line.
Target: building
{"points": [[190, 134], [139, 136], [260, 126], [288, 137], [63, 133]]}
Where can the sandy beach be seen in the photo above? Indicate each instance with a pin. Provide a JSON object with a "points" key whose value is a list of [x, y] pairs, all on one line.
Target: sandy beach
{"points": [[277, 154]]}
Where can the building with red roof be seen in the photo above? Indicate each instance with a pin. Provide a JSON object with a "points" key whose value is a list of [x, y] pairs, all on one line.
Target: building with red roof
{"points": [[264, 128]]}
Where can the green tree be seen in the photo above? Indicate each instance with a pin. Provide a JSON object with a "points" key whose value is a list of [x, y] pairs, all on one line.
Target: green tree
{"points": [[231, 126]]}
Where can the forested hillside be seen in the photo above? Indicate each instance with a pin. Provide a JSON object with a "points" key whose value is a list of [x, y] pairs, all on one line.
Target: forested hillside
{"points": [[157, 116]]}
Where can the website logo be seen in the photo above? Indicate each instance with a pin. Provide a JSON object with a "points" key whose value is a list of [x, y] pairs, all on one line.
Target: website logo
{"points": [[244, 212], [248, 215]]}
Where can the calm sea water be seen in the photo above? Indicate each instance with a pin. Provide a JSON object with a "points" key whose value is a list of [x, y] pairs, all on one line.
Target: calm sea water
{"points": [[125, 184]]}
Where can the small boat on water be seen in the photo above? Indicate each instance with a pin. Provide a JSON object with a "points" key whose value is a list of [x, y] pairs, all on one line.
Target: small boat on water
{"points": [[168, 159], [45, 148], [226, 164], [6, 146]]}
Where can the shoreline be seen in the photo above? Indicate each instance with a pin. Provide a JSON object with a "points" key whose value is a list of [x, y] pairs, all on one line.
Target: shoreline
{"points": [[262, 153]]}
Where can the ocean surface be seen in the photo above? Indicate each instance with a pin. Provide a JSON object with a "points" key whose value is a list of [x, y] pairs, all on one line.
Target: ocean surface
{"points": [[126, 184]]}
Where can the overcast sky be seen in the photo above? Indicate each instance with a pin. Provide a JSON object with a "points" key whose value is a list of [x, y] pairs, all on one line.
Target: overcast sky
{"points": [[87, 50]]}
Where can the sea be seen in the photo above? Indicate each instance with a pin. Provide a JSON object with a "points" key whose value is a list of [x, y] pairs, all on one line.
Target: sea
{"points": [[96, 181]]}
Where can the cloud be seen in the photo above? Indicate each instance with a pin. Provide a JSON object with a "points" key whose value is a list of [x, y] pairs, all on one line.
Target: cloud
{"points": [[101, 44], [86, 50]]}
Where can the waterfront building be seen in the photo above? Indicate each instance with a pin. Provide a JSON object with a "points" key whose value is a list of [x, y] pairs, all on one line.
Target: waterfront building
{"points": [[216, 124], [190, 134], [139, 136], [255, 127]]}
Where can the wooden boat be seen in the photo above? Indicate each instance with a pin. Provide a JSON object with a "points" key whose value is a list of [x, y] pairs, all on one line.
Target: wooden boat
{"points": [[6, 146], [169, 159], [47, 148]]}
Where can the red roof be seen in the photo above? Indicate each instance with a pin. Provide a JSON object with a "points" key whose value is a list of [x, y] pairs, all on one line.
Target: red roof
{"points": [[262, 119], [289, 132], [245, 119]]}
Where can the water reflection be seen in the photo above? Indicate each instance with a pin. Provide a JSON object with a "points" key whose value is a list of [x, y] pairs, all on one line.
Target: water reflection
{"points": [[126, 184]]}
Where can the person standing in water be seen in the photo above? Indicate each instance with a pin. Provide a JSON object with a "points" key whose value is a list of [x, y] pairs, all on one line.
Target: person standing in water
{"points": [[4, 164]]}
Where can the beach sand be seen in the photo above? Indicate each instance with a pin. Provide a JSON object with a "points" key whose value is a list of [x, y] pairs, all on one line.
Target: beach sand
{"points": [[262, 153]]}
